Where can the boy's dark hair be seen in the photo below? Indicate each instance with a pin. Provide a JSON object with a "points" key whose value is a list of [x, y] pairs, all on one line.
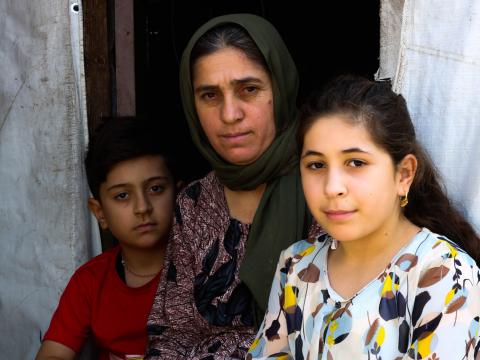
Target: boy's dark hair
{"points": [[385, 115], [119, 139]]}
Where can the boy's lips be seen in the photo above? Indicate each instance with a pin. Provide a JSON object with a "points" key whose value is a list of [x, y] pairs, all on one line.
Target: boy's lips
{"points": [[145, 227]]}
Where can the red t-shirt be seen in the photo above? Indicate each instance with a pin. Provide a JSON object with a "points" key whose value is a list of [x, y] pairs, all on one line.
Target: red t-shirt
{"points": [[97, 302]]}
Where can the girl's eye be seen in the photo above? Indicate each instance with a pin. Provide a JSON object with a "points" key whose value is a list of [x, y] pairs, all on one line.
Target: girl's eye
{"points": [[121, 196], [157, 189], [315, 165], [356, 163]]}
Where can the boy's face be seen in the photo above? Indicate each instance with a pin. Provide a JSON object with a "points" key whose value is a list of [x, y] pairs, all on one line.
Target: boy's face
{"points": [[136, 202]]}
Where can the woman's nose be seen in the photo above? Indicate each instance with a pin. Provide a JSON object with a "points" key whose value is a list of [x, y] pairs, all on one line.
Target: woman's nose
{"points": [[231, 110]]}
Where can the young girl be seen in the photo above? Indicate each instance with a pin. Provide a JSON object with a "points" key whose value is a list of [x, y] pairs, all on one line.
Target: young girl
{"points": [[395, 277]]}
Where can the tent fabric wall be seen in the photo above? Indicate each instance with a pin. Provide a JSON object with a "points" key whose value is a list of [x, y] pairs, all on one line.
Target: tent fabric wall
{"points": [[46, 231], [433, 58]]}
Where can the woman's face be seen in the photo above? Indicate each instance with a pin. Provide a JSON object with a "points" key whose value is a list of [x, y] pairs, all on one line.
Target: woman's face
{"points": [[234, 102]]}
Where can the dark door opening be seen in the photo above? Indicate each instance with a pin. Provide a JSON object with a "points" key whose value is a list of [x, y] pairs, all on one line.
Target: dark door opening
{"points": [[325, 39]]}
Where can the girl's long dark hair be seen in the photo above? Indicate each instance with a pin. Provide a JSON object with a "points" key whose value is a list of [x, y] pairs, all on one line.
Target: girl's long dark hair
{"points": [[386, 117]]}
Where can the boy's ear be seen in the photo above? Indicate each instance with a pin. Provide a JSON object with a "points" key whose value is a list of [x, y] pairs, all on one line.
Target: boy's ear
{"points": [[97, 210], [179, 185], [406, 171]]}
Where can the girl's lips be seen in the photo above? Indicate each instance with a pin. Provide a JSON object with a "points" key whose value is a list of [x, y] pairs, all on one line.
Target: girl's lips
{"points": [[339, 215]]}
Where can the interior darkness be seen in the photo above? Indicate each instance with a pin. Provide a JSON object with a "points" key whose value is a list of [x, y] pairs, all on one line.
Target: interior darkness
{"points": [[325, 38]]}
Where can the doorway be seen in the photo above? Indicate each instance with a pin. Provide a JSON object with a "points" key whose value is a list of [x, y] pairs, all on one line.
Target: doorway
{"points": [[325, 39]]}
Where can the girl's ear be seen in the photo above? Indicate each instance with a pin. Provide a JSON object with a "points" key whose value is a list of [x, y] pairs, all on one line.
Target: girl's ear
{"points": [[406, 170], [97, 210]]}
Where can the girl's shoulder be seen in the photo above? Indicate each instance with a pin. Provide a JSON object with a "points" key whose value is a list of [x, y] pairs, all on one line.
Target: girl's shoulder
{"points": [[305, 247], [434, 253], [427, 243]]}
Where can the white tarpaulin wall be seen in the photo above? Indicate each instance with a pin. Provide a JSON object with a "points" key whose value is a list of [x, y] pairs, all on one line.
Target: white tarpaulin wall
{"points": [[45, 229], [431, 50]]}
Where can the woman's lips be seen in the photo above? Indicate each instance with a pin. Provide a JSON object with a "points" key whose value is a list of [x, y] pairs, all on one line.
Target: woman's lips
{"points": [[235, 137]]}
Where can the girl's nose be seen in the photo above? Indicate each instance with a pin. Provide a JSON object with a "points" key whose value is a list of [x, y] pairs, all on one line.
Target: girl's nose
{"points": [[335, 184]]}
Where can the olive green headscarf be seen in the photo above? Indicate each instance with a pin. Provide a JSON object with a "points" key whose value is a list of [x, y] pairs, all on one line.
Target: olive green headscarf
{"points": [[281, 217]]}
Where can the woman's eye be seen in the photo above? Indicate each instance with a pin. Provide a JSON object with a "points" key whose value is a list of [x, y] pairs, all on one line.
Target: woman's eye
{"points": [[250, 89], [356, 163], [157, 188], [121, 196], [315, 165], [208, 96]]}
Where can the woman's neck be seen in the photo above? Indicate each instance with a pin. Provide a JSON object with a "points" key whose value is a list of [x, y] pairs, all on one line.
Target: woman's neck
{"points": [[242, 205]]}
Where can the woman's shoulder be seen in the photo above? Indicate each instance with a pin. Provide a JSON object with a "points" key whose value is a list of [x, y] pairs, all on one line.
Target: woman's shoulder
{"points": [[209, 186]]}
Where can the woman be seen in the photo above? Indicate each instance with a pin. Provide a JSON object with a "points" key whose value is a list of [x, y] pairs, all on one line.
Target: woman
{"points": [[239, 86]]}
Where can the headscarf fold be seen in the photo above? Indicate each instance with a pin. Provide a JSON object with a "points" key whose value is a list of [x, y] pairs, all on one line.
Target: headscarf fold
{"points": [[282, 216]]}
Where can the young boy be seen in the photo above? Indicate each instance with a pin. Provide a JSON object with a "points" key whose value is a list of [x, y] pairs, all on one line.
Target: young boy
{"points": [[109, 297]]}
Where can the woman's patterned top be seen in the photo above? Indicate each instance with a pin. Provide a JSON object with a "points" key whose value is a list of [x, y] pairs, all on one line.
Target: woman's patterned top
{"points": [[202, 310], [424, 305]]}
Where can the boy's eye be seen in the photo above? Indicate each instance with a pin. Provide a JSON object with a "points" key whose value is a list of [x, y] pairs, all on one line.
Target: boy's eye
{"points": [[356, 163], [315, 165], [121, 196], [157, 188]]}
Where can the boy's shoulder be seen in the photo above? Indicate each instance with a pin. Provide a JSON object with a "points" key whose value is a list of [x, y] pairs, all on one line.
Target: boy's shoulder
{"points": [[99, 263]]}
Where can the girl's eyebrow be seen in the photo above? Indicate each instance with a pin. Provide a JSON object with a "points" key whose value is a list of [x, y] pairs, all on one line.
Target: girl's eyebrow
{"points": [[346, 151]]}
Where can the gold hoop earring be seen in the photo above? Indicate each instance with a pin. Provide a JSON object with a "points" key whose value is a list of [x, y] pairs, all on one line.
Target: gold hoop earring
{"points": [[404, 200]]}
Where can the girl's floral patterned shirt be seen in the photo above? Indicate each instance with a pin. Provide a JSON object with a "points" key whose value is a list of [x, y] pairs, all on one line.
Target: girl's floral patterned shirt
{"points": [[425, 305]]}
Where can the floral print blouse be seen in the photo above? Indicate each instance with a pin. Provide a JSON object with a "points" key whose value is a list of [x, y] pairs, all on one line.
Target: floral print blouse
{"points": [[425, 305]]}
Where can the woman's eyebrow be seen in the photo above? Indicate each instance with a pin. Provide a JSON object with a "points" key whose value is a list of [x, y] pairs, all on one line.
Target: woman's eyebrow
{"points": [[247, 80]]}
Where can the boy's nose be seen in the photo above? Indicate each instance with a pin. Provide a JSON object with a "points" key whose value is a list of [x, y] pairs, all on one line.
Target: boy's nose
{"points": [[142, 205]]}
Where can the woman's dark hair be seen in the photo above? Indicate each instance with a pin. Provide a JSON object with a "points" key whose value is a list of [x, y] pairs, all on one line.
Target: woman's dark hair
{"points": [[385, 115], [120, 139], [224, 36]]}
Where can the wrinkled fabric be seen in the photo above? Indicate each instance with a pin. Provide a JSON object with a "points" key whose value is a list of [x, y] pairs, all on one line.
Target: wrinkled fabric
{"points": [[431, 50]]}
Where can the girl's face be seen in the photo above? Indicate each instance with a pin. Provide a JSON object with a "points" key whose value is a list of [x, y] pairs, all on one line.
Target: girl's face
{"points": [[234, 102], [351, 184]]}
